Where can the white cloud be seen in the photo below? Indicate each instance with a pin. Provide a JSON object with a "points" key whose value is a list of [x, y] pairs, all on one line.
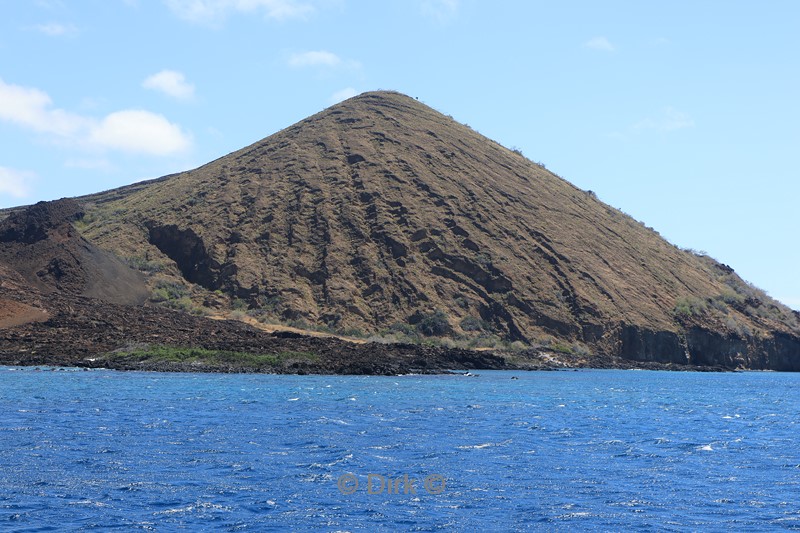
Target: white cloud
{"points": [[670, 119], [32, 109], [56, 29], [344, 94], [600, 43], [127, 130], [212, 12], [171, 83], [139, 131], [441, 10], [15, 182], [319, 58]]}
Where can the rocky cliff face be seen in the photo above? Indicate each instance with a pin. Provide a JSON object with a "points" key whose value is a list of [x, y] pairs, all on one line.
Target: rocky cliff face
{"points": [[381, 213], [41, 245]]}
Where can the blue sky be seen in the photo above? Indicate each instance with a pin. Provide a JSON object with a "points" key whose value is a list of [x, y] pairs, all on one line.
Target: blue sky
{"points": [[684, 114]]}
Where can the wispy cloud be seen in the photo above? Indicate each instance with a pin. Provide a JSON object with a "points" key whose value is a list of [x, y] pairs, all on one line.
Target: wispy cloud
{"points": [[600, 43], [50, 5], [344, 94], [15, 183], [320, 59], [670, 119], [171, 83], [316, 58], [56, 29], [212, 12], [440, 10], [130, 130]]}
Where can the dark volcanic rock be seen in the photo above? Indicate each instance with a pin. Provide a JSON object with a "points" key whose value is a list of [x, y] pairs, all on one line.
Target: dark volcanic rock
{"points": [[41, 245], [35, 223], [642, 344], [83, 332]]}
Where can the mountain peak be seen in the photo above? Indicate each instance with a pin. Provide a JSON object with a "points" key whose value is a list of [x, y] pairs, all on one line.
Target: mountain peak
{"points": [[381, 96], [382, 214]]}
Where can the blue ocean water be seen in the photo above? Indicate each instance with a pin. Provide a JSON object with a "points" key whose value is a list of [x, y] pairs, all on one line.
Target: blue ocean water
{"points": [[587, 450]]}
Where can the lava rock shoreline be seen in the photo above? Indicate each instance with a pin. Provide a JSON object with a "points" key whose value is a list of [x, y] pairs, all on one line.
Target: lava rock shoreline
{"points": [[92, 336]]}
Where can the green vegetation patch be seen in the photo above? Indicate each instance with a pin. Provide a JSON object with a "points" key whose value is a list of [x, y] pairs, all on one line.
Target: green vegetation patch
{"points": [[435, 324], [472, 323], [144, 264], [175, 295], [690, 306], [203, 356], [169, 291]]}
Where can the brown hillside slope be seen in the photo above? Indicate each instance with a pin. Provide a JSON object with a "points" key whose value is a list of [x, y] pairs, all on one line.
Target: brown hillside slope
{"points": [[380, 210]]}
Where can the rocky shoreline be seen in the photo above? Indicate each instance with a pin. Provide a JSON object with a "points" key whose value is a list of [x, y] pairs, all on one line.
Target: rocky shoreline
{"points": [[330, 356], [386, 370], [74, 331]]}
